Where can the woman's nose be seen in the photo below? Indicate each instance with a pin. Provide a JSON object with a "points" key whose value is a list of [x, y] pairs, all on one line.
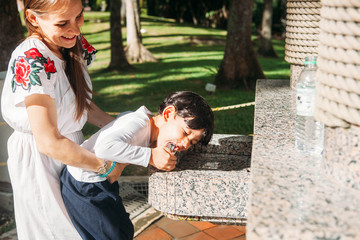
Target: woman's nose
{"points": [[75, 28]]}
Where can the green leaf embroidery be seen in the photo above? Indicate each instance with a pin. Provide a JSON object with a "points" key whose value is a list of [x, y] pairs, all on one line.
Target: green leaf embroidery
{"points": [[34, 79]]}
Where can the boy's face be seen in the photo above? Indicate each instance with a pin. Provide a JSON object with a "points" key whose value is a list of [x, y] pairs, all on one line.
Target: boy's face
{"points": [[175, 130]]}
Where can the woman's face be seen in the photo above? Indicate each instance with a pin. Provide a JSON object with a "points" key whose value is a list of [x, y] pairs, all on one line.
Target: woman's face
{"points": [[61, 26]]}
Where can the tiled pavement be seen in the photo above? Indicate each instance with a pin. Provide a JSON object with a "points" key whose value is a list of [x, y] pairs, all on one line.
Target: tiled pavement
{"points": [[168, 229], [152, 225]]}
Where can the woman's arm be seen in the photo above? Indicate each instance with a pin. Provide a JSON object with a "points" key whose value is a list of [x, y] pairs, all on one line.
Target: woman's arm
{"points": [[98, 117], [42, 114]]}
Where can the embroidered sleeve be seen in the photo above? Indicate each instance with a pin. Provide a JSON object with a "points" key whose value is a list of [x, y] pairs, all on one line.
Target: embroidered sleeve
{"points": [[88, 51], [27, 68]]}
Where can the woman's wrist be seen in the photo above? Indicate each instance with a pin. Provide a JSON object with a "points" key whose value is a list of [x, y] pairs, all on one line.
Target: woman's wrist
{"points": [[109, 166]]}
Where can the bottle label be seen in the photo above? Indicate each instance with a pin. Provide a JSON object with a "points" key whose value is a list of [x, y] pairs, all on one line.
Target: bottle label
{"points": [[305, 101]]}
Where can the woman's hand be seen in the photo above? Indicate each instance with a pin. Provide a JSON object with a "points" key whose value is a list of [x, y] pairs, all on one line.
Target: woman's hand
{"points": [[116, 172]]}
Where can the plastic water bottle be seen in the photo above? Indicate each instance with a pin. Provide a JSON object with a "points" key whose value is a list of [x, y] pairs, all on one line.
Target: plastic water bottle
{"points": [[309, 133]]}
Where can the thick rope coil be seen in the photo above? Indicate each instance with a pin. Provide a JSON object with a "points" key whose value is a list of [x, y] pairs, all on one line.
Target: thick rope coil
{"points": [[308, 4], [307, 24], [338, 27], [340, 68], [302, 36], [345, 113], [296, 61], [327, 118], [304, 49], [300, 55], [340, 41], [340, 3], [340, 96], [314, 11], [340, 14], [337, 81], [304, 17], [338, 89], [346, 56], [303, 30], [300, 42], [303, 1], [298, 48]]}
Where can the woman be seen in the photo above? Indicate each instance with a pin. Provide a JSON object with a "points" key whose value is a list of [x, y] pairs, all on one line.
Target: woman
{"points": [[46, 99]]}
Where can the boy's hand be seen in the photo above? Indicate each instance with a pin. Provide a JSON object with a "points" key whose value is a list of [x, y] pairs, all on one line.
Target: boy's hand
{"points": [[116, 172], [162, 158]]}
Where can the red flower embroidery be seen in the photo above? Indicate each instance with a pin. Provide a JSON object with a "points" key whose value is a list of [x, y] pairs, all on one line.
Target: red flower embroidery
{"points": [[22, 72], [86, 46], [49, 66], [26, 69], [33, 53]]}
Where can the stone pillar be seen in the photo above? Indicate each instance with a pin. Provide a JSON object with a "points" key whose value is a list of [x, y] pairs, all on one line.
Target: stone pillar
{"points": [[302, 34], [338, 90]]}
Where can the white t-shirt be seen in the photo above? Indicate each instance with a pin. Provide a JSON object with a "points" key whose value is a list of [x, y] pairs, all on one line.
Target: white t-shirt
{"points": [[124, 140]]}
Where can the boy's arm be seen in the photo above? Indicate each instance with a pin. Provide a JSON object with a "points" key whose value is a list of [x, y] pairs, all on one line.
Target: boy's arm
{"points": [[113, 143], [114, 146]]}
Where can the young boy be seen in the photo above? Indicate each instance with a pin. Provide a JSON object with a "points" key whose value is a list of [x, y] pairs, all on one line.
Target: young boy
{"points": [[93, 203]]}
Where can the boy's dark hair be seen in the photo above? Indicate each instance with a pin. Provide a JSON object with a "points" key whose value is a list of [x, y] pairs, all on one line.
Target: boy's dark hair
{"points": [[195, 110]]}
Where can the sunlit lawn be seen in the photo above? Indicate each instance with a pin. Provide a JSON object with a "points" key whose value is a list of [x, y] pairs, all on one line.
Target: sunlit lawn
{"points": [[182, 65]]}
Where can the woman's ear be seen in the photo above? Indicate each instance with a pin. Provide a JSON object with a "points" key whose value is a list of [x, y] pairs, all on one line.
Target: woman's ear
{"points": [[169, 112], [32, 18]]}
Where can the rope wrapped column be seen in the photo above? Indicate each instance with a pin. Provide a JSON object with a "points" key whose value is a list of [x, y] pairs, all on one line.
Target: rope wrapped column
{"points": [[338, 89], [302, 34]]}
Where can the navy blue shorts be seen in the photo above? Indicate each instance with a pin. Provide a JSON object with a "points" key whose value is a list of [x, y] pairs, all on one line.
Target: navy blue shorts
{"points": [[96, 209]]}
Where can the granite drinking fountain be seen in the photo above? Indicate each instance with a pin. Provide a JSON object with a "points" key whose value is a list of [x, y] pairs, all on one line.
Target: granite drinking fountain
{"points": [[209, 183]]}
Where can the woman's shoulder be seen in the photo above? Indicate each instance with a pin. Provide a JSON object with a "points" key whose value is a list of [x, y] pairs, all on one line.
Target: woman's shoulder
{"points": [[33, 47], [32, 63]]}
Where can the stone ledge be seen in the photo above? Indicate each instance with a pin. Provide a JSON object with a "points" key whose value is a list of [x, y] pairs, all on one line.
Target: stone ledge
{"points": [[207, 194], [291, 196], [210, 183]]}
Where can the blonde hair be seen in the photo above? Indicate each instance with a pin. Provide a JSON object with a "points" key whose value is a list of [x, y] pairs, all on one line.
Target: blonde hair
{"points": [[72, 56]]}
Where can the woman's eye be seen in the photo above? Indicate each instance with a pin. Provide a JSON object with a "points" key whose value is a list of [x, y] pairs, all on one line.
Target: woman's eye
{"points": [[79, 16], [61, 24]]}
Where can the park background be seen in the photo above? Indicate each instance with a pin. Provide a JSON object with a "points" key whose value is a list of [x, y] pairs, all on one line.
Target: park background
{"points": [[181, 45]]}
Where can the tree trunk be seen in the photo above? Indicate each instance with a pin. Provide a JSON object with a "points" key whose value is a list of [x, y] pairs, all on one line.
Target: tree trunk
{"points": [[11, 32], [135, 50], [118, 59], [266, 48], [239, 67]]}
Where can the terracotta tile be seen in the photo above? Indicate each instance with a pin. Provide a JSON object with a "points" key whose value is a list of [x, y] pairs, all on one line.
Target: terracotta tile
{"points": [[180, 229], [223, 232], [164, 221], [198, 236], [240, 228], [202, 225], [242, 237], [153, 233]]}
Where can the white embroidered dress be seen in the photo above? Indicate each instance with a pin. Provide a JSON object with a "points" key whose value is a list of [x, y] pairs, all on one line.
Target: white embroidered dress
{"points": [[39, 209]]}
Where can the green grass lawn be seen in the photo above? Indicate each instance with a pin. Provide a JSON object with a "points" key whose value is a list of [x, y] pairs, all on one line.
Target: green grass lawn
{"points": [[182, 65]]}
